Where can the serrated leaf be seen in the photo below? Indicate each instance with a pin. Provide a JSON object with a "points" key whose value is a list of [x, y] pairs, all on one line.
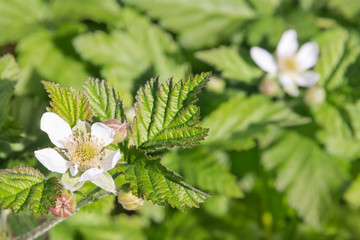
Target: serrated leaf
{"points": [[199, 23], [230, 63], [234, 123], [166, 115], [307, 175], [136, 40], [68, 103], [104, 101], [205, 169], [152, 181], [22, 186]]}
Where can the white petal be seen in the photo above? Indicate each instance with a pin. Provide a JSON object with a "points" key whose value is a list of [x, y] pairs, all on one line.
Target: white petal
{"points": [[106, 182], [74, 169], [289, 85], [52, 160], [103, 133], [91, 174], [307, 56], [57, 129], [110, 162], [288, 44], [263, 59], [307, 79]]}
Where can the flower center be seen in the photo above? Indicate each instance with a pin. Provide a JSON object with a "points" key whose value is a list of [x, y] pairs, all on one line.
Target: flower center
{"points": [[84, 151], [289, 64]]}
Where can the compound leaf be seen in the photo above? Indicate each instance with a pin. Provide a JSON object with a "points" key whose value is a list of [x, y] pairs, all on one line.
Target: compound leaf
{"points": [[22, 186], [166, 115], [152, 181], [68, 103]]}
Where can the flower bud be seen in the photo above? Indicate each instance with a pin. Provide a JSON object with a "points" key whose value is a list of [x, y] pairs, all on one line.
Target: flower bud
{"points": [[269, 87], [65, 205], [128, 200], [315, 95], [119, 128]]}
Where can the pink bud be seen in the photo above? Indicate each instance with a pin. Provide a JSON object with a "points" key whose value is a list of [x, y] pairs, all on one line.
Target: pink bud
{"points": [[119, 128], [65, 205], [269, 87]]}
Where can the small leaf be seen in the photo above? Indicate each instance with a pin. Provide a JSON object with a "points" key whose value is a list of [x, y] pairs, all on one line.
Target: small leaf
{"points": [[166, 115], [22, 186], [104, 101], [308, 175], [68, 103], [152, 181], [9, 70], [10, 131]]}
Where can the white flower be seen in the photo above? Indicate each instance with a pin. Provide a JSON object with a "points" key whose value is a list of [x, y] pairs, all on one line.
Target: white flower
{"points": [[84, 154], [291, 65]]}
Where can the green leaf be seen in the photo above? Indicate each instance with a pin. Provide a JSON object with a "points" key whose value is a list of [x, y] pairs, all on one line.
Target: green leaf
{"points": [[348, 8], [352, 194], [199, 23], [138, 41], [205, 169], [337, 53], [95, 10], [19, 18], [104, 101], [152, 181], [40, 53], [166, 115], [234, 123], [6, 91], [22, 186], [9, 69], [230, 63], [307, 175], [68, 103]]}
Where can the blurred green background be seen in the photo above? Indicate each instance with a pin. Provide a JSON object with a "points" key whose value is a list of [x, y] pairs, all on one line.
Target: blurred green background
{"points": [[277, 168]]}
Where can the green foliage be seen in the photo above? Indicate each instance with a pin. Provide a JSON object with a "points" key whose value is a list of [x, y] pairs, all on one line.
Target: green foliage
{"points": [[309, 177], [206, 169], [152, 181], [235, 123], [104, 101], [68, 103], [193, 21], [230, 63], [25, 186], [166, 115]]}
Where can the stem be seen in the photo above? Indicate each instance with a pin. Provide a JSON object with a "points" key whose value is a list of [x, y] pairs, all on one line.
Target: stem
{"points": [[53, 221]]}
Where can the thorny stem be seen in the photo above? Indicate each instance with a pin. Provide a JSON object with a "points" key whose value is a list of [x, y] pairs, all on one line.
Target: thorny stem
{"points": [[53, 221]]}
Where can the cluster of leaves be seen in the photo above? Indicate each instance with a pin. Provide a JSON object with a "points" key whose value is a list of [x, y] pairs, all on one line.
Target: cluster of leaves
{"points": [[276, 168]]}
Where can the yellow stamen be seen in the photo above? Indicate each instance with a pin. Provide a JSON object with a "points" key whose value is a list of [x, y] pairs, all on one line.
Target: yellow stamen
{"points": [[84, 151]]}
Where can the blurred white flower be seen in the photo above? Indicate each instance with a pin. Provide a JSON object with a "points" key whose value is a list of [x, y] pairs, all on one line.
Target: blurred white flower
{"points": [[80, 157], [291, 65]]}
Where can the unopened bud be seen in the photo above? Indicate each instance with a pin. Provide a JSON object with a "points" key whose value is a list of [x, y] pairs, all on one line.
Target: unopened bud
{"points": [[269, 87], [119, 128], [128, 200], [65, 205], [315, 95]]}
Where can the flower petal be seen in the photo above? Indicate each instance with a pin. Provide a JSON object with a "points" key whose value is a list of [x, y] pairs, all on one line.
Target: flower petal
{"points": [[91, 174], [307, 79], [288, 44], [52, 160], [263, 59], [103, 133], [106, 182], [289, 85], [307, 56], [57, 129], [110, 162], [71, 183], [74, 169]]}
